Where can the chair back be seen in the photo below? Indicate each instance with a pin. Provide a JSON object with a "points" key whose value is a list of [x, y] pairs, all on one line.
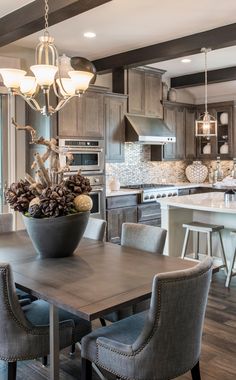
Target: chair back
{"points": [[170, 342], [95, 229], [12, 322], [144, 237], [6, 223]]}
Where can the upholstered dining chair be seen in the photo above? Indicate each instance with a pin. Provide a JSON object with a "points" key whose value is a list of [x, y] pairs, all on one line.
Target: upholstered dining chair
{"points": [[146, 238], [24, 332], [95, 229], [161, 343]]}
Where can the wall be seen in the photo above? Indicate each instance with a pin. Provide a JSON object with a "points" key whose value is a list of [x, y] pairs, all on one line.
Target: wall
{"points": [[138, 168]]}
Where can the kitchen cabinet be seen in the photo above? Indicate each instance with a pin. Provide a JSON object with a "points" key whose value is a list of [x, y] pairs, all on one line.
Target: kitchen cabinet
{"points": [[223, 112], [120, 209], [180, 118], [115, 108], [145, 92], [83, 116]]}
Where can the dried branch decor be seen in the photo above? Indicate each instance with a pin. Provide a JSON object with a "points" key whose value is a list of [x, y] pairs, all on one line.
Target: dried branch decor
{"points": [[49, 194]]}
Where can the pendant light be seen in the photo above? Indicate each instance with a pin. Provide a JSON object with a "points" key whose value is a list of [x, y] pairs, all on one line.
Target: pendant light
{"points": [[47, 75], [206, 125]]}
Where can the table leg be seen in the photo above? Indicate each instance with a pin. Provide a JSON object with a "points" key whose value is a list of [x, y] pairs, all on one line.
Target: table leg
{"points": [[54, 343]]}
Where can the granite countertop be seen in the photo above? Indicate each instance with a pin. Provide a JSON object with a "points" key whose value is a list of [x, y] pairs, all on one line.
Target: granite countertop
{"points": [[202, 202], [179, 185]]}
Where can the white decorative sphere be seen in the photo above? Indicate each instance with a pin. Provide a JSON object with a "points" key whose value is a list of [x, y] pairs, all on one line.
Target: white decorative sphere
{"points": [[196, 173], [83, 202]]}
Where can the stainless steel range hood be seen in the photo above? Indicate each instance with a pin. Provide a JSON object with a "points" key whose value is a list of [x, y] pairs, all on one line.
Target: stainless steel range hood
{"points": [[147, 130]]}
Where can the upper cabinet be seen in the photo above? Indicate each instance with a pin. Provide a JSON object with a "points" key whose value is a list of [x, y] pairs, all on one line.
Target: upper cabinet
{"points": [[145, 92], [222, 144], [83, 116], [180, 119], [115, 108]]}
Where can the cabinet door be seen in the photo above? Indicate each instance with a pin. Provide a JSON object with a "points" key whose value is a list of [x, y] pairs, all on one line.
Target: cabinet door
{"points": [[190, 138], [180, 133], [115, 108], [153, 95], [170, 119], [115, 219], [70, 119], [92, 115], [136, 91]]}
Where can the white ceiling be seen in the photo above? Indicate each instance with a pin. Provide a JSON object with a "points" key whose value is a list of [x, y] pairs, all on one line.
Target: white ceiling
{"points": [[8, 6], [123, 25]]}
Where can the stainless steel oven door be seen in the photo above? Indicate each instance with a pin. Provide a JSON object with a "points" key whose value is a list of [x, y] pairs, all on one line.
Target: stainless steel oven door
{"points": [[87, 158], [98, 196]]}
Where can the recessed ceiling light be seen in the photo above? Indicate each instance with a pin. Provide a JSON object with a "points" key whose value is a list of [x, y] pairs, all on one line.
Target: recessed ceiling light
{"points": [[89, 34], [186, 60]]}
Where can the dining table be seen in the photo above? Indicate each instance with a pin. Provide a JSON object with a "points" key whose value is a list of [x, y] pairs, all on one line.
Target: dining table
{"points": [[99, 278]]}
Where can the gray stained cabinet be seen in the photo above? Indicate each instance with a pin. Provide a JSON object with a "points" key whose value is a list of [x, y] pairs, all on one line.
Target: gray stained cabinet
{"points": [[174, 117], [82, 117], [115, 107], [145, 92], [224, 132], [120, 209]]}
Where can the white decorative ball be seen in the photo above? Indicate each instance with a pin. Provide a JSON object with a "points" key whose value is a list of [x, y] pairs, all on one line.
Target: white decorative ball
{"points": [[83, 202]]}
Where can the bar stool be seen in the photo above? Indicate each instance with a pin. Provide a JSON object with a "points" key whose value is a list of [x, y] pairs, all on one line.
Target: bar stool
{"points": [[208, 229], [231, 272]]}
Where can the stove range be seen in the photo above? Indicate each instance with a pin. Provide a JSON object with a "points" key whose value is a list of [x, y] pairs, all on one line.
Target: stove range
{"points": [[151, 192]]}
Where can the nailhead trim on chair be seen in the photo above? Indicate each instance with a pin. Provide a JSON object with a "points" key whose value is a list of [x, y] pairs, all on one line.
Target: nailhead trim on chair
{"points": [[29, 331], [156, 323]]}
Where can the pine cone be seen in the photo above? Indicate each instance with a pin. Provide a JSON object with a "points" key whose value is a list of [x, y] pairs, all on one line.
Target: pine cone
{"points": [[78, 184], [19, 195], [56, 201]]}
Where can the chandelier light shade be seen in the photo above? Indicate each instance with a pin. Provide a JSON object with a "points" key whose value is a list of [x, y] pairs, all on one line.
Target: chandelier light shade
{"points": [[206, 125], [50, 72]]}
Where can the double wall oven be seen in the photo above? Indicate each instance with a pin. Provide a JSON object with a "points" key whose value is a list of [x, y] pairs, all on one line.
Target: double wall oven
{"points": [[88, 157]]}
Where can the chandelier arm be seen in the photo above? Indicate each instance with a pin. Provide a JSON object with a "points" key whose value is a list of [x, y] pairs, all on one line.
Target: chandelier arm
{"points": [[63, 102], [30, 101]]}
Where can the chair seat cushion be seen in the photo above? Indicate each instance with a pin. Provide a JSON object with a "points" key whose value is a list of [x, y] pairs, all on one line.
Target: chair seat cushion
{"points": [[125, 331], [38, 314]]}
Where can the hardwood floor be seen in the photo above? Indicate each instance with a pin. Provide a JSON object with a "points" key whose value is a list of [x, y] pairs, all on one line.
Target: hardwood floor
{"points": [[218, 359]]}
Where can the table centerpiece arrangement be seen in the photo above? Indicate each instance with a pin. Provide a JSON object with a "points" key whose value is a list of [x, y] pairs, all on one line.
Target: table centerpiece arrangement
{"points": [[55, 206]]}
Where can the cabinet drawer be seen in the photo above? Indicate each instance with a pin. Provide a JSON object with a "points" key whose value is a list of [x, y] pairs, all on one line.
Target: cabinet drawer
{"points": [[153, 222], [122, 201], [148, 212]]}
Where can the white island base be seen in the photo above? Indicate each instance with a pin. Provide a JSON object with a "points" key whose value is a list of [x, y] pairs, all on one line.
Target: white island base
{"points": [[207, 208]]}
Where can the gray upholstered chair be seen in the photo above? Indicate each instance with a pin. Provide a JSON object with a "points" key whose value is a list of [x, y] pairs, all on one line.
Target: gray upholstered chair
{"points": [[95, 229], [24, 332], [159, 344], [144, 237]]}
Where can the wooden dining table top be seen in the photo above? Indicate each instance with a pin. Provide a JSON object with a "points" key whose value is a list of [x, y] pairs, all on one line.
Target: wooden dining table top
{"points": [[96, 279]]}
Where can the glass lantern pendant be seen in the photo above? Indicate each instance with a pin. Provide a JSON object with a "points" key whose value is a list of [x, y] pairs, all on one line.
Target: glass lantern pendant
{"points": [[48, 74], [206, 125]]}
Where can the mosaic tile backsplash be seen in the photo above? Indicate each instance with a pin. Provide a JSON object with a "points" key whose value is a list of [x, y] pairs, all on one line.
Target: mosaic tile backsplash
{"points": [[138, 168]]}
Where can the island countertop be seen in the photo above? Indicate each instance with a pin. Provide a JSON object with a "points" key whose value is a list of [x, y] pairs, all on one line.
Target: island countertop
{"points": [[213, 202]]}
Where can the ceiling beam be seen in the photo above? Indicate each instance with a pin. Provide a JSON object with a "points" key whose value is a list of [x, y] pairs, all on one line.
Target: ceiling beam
{"points": [[197, 79], [30, 18], [215, 39]]}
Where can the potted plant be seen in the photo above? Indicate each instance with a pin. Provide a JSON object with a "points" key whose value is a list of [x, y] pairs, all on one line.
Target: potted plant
{"points": [[55, 207]]}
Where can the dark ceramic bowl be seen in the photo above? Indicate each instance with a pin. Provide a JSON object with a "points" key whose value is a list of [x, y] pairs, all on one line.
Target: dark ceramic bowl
{"points": [[56, 237]]}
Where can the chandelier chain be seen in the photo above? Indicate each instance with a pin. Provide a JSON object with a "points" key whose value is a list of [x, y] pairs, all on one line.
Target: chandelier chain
{"points": [[206, 80], [46, 9]]}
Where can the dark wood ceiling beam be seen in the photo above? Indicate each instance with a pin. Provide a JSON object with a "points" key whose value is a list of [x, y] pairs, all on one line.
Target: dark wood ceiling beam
{"points": [[215, 38], [197, 79], [30, 18]]}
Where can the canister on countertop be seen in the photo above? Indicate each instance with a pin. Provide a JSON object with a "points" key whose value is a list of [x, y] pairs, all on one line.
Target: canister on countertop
{"points": [[229, 196]]}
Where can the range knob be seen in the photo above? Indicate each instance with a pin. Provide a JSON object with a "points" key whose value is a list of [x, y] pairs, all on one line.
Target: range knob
{"points": [[163, 195], [169, 194], [152, 196], [146, 197], [158, 195]]}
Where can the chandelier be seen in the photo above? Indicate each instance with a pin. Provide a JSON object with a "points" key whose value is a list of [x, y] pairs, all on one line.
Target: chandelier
{"points": [[206, 125], [48, 75]]}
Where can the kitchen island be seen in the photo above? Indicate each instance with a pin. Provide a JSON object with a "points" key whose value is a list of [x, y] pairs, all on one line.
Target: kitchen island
{"points": [[207, 208]]}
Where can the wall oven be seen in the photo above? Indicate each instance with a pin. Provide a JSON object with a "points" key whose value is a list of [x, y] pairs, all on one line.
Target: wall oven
{"points": [[88, 155], [98, 196]]}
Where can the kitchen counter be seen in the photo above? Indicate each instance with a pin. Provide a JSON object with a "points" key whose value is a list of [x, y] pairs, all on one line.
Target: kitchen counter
{"points": [[207, 208], [180, 185]]}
